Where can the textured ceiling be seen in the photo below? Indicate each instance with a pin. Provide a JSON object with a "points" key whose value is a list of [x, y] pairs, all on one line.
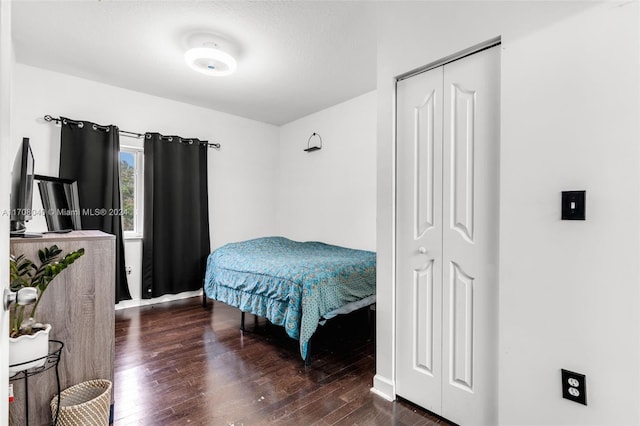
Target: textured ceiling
{"points": [[294, 58]]}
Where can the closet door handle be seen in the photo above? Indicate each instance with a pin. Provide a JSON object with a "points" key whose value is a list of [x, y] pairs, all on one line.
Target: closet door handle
{"points": [[422, 250]]}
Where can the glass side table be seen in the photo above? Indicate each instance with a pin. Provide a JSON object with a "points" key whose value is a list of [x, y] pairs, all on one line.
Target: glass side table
{"points": [[52, 359]]}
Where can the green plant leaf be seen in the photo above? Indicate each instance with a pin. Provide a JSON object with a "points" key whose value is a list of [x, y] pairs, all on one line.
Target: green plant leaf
{"points": [[25, 273]]}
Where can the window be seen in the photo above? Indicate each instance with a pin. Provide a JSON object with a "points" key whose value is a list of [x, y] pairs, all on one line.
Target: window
{"points": [[131, 161]]}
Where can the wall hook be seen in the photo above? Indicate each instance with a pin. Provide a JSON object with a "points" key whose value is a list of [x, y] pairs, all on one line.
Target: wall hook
{"points": [[315, 147]]}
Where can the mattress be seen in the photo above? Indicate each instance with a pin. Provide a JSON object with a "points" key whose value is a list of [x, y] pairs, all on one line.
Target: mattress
{"points": [[292, 284]]}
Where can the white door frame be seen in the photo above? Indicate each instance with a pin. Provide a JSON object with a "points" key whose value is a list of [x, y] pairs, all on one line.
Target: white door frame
{"points": [[6, 65]]}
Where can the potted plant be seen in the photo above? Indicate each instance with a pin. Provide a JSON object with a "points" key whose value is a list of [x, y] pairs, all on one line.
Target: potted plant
{"points": [[28, 339]]}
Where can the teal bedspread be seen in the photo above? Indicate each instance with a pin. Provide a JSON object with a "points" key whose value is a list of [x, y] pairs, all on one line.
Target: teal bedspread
{"points": [[292, 284]]}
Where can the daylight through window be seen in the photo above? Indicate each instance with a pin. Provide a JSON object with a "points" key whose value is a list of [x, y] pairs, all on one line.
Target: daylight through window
{"points": [[131, 190]]}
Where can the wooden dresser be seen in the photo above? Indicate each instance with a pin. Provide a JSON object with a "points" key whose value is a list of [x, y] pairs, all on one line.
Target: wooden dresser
{"points": [[80, 306]]}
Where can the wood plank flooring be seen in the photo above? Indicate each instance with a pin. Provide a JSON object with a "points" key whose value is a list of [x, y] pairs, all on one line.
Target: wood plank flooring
{"points": [[178, 363]]}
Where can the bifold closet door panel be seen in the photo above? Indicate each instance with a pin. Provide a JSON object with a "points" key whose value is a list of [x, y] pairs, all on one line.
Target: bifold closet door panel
{"points": [[419, 239], [470, 238]]}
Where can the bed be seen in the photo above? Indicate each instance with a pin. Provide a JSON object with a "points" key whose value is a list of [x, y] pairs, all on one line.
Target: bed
{"points": [[297, 285]]}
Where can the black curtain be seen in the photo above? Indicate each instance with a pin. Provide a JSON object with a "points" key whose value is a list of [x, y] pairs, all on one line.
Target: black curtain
{"points": [[89, 154], [176, 215]]}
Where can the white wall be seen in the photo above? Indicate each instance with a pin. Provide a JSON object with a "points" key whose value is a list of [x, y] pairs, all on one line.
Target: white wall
{"points": [[586, 138], [330, 195], [242, 179], [569, 294]]}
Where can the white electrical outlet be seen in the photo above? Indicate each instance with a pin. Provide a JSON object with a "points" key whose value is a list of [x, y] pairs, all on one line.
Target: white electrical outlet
{"points": [[574, 386]]}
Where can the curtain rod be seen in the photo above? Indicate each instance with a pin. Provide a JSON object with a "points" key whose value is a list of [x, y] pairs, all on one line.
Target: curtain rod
{"points": [[124, 132]]}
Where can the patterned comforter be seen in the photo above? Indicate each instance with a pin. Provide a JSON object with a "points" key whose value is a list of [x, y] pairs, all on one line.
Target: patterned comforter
{"points": [[292, 284]]}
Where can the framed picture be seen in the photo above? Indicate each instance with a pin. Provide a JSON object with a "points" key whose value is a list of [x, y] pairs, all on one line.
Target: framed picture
{"points": [[60, 202]]}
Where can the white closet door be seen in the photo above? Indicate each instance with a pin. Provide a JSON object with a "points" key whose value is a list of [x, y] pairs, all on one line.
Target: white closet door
{"points": [[419, 234], [470, 239], [454, 320]]}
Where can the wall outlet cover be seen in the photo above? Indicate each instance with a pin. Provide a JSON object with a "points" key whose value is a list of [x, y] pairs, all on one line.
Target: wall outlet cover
{"points": [[574, 386]]}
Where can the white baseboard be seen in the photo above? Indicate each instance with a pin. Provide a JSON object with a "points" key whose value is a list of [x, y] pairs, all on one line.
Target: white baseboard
{"points": [[383, 387], [168, 298]]}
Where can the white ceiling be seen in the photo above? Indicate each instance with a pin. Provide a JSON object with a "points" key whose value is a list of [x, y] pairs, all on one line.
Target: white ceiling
{"points": [[294, 58]]}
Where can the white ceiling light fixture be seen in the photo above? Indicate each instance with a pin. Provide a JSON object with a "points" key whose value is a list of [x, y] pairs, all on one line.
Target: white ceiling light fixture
{"points": [[210, 59]]}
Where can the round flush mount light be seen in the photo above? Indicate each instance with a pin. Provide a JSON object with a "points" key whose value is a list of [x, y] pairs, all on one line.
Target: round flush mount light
{"points": [[211, 61]]}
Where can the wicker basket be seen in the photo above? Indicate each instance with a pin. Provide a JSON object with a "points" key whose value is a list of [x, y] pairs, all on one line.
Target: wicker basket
{"points": [[84, 404]]}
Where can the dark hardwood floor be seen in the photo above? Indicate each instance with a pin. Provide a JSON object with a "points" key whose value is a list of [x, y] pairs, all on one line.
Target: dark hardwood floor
{"points": [[177, 363]]}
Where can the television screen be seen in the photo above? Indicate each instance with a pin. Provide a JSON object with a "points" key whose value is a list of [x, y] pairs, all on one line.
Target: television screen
{"points": [[21, 188]]}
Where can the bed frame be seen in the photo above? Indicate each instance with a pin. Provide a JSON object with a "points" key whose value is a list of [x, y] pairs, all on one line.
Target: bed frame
{"points": [[369, 303]]}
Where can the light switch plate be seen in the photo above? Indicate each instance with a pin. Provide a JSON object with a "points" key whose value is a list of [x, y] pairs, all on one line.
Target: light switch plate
{"points": [[573, 205]]}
